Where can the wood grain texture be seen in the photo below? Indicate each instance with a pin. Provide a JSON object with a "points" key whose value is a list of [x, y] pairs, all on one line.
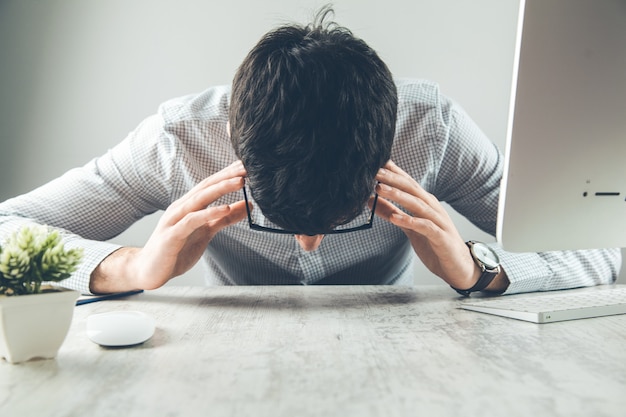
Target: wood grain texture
{"points": [[326, 351]]}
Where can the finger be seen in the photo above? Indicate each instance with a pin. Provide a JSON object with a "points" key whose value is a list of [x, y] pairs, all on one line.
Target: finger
{"points": [[415, 205], [422, 226], [396, 177], [196, 220], [236, 169], [384, 209], [213, 218], [236, 214], [201, 199], [425, 227], [391, 166]]}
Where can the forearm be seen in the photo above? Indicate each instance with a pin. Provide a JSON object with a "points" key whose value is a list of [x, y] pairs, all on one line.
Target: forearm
{"points": [[547, 271], [499, 284], [115, 273]]}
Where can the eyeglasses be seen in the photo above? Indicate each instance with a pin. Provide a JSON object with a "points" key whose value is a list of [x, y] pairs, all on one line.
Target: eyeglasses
{"points": [[258, 227]]}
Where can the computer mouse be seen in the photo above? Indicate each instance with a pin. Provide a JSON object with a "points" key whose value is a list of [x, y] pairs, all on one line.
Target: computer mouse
{"points": [[120, 328]]}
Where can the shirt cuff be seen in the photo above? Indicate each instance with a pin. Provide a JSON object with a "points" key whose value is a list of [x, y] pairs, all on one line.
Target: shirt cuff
{"points": [[94, 253], [527, 272]]}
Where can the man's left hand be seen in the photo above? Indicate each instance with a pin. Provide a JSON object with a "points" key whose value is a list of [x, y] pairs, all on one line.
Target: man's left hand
{"points": [[433, 235]]}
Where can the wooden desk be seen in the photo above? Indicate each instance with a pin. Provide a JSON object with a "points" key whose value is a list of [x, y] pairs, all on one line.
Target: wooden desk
{"points": [[325, 351]]}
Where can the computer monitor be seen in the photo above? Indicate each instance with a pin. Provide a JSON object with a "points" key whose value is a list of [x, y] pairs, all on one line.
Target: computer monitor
{"points": [[564, 184]]}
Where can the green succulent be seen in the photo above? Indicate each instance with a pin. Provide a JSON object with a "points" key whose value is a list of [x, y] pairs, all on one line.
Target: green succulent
{"points": [[34, 255]]}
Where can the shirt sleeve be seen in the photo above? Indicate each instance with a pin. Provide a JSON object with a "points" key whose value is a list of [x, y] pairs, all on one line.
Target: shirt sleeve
{"points": [[96, 202], [470, 172]]}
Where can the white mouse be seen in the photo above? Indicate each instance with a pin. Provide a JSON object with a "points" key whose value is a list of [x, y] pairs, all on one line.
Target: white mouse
{"points": [[120, 328]]}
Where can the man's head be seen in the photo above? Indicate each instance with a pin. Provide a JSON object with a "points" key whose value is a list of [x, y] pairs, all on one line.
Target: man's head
{"points": [[312, 117]]}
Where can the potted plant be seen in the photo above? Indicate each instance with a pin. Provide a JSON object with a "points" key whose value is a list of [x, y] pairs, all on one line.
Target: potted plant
{"points": [[35, 316]]}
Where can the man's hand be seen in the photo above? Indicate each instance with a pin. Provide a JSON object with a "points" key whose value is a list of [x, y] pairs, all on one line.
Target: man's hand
{"points": [[433, 235], [181, 236]]}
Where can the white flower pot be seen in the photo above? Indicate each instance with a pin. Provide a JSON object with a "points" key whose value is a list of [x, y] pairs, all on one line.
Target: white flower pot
{"points": [[35, 326]]}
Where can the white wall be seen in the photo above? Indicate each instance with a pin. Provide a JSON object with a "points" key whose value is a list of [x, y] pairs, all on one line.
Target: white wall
{"points": [[78, 75]]}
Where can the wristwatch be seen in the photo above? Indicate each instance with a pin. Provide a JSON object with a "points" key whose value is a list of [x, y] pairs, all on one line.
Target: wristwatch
{"points": [[488, 262]]}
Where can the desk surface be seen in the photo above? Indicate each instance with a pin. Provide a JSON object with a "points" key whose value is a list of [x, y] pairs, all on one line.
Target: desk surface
{"points": [[325, 351]]}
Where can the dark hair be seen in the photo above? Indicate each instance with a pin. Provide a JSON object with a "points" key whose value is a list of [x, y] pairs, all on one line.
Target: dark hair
{"points": [[312, 117]]}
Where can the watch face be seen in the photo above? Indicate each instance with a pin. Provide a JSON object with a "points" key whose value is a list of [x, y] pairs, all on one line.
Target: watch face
{"points": [[486, 255]]}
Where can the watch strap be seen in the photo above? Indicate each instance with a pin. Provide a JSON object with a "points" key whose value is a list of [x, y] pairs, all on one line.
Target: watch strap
{"points": [[487, 275], [483, 282]]}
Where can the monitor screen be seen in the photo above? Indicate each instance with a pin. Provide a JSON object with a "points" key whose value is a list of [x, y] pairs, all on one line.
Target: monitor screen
{"points": [[564, 184]]}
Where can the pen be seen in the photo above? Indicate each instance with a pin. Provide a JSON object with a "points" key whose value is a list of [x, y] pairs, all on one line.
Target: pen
{"points": [[86, 299]]}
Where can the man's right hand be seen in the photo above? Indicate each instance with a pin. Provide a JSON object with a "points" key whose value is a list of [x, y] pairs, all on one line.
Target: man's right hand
{"points": [[181, 236]]}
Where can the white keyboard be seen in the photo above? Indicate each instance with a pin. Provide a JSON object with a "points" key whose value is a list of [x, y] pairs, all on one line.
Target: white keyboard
{"points": [[554, 306]]}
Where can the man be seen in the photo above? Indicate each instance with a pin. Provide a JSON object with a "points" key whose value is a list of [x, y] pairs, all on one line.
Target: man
{"points": [[314, 140]]}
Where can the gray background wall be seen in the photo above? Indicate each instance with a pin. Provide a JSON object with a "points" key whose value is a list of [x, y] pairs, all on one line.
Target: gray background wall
{"points": [[78, 75]]}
